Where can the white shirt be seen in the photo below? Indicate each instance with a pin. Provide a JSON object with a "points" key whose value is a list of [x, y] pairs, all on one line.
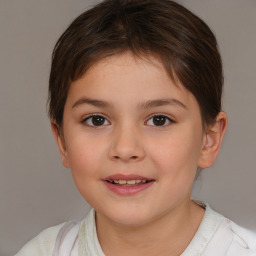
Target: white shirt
{"points": [[216, 236]]}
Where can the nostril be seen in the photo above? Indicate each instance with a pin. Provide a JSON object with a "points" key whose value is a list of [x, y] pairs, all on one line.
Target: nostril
{"points": [[132, 157]]}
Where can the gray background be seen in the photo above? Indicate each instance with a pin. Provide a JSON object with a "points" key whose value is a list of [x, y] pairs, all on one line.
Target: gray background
{"points": [[35, 190]]}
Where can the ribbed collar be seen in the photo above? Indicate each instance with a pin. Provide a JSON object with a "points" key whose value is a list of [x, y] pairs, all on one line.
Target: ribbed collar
{"points": [[205, 232]]}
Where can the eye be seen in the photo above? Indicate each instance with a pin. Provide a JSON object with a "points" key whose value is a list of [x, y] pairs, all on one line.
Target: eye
{"points": [[159, 120], [95, 120]]}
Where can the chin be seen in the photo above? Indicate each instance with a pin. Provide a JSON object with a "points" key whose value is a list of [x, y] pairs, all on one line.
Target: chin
{"points": [[128, 217]]}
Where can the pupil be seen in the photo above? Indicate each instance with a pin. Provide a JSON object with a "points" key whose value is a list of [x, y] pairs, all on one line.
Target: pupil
{"points": [[97, 120], [159, 120]]}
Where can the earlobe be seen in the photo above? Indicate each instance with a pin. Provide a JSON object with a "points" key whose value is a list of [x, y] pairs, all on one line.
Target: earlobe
{"points": [[60, 143], [212, 141]]}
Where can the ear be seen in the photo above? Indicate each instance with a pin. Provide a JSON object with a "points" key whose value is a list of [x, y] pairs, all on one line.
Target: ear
{"points": [[59, 138], [212, 141]]}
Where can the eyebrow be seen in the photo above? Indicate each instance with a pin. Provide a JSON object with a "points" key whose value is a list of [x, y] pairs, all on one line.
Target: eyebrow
{"points": [[141, 105], [161, 102], [94, 102]]}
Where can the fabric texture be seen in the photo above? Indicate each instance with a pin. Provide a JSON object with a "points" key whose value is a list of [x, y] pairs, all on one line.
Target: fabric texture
{"points": [[67, 233], [216, 235]]}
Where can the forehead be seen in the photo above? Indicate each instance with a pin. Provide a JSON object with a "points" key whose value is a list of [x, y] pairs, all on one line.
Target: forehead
{"points": [[130, 78]]}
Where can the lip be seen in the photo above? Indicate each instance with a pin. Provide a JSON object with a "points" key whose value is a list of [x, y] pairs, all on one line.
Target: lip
{"points": [[126, 177], [127, 190]]}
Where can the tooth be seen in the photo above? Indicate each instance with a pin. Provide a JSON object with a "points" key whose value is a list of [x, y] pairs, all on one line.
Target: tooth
{"points": [[122, 182], [116, 181], [143, 181], [131, 182], [138, 181]]}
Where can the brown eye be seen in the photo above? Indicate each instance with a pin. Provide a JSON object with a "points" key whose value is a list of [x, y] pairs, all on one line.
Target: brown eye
{"points": [[96, 120], [159, 120]]}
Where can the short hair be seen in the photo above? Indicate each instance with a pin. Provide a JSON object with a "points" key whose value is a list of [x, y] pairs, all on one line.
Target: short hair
{"points": [[164, 29]]}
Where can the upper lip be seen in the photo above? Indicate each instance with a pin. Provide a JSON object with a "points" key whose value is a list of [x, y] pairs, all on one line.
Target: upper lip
{"points": [[127, 177]]}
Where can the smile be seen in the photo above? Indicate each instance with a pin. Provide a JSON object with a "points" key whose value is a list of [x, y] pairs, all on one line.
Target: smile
{"points": [[127, 182], [126, 185]]}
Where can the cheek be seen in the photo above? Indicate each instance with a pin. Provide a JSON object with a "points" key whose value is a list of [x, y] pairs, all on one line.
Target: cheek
{"points": [[176, 159], [85, 160], [177, 152], [84, 156]]}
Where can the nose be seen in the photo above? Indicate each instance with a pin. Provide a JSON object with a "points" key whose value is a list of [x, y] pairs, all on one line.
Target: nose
{"points": [[126, 145]]}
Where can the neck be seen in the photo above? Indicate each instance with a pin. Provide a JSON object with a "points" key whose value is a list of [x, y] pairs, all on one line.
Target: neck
{"points": [[169, 234]]}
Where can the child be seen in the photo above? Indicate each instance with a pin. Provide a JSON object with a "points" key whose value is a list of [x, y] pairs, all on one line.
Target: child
{"points": [[135, 106]]}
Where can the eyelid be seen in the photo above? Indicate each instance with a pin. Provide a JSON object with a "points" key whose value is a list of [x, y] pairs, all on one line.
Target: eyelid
{"points": [[170, 119], [84, 119]]}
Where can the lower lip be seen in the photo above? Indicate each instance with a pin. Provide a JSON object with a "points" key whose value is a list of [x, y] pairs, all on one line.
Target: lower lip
{"points": [[127, 190]]}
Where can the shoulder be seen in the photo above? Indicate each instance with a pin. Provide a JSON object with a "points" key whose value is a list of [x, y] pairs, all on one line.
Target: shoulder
{"points": [[244, 237], [43, 244], [231, 239], [221, 236]]}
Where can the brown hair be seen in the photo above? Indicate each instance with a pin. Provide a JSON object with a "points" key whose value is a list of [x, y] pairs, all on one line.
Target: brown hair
{"points": [[163, 29]]}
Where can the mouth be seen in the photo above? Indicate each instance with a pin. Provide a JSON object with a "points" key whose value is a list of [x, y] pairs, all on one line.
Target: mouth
{"points": [[127, 184]]}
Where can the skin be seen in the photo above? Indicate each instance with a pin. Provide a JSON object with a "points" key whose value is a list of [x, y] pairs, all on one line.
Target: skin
{"points": [[160, 220]]}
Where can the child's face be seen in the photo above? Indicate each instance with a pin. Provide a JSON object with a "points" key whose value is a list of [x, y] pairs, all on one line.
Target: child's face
{"points": [[145, 128]]}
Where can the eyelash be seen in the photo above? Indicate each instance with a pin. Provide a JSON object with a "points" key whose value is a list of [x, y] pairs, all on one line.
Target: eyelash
{"points": [[166, 118], [85, 120]]}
